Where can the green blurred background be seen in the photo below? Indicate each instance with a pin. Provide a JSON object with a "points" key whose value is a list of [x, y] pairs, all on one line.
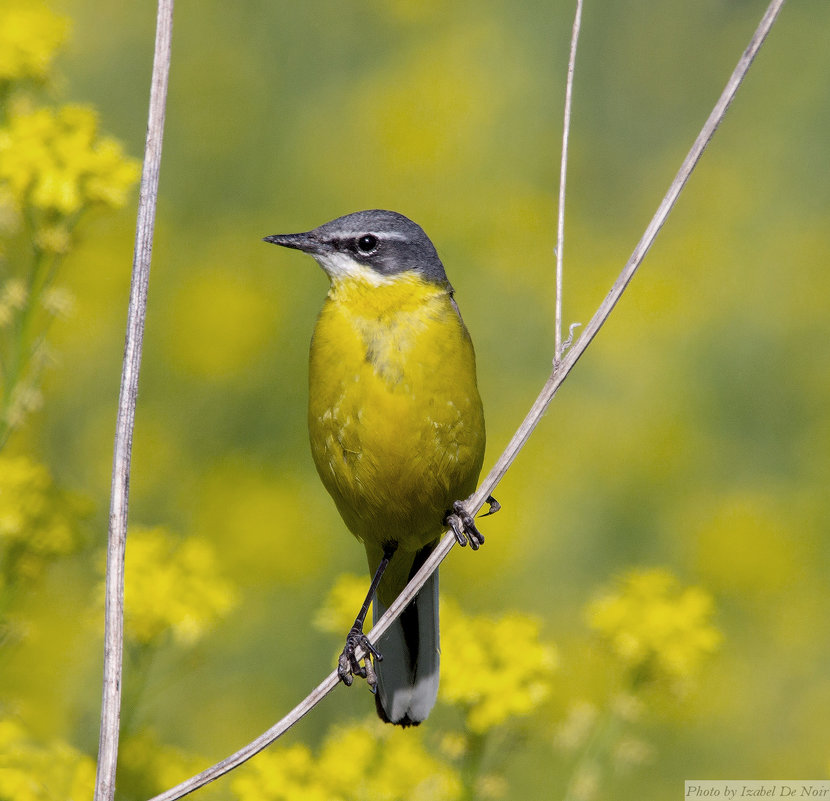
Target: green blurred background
{"points": [[694, 433]]}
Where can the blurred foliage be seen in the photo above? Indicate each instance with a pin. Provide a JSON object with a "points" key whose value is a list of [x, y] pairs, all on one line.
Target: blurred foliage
{"points": [[651, 603]]}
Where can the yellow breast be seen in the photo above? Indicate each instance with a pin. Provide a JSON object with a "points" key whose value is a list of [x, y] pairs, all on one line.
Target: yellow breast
{"points": [[395, 419]]}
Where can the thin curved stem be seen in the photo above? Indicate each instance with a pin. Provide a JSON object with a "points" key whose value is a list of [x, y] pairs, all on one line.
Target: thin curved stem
{"points": [[563, 174]]}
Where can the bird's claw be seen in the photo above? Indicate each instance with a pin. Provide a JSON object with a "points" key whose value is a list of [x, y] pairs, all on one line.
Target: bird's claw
{"points": [[493, 504], [348, 665]]}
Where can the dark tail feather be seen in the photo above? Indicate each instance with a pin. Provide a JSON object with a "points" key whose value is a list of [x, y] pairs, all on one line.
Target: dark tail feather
{"points": [[408, 673]]}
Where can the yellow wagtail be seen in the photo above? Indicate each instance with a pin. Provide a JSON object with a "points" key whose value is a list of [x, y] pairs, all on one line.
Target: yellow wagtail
{"points": [[397, 431]]}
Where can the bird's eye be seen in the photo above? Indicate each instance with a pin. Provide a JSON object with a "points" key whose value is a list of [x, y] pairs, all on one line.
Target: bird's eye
{"points": [[368, 243]]}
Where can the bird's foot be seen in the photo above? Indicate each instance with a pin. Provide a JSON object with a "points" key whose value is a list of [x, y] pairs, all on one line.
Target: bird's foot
{"points": [[348, 665], [463, 526]]}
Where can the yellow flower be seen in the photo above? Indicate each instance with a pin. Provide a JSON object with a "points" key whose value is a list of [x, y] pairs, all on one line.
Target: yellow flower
{"points": [[58, 302], [13, 297], [172, 585], [632, 752], [401, 768], [358, 762], [54, 239], [32, 771], [55, 161], [454, 745], [491, 785], [336, 615], [30, 34], [37, 521], [658, 629], [494, 668], [573, 732], [24, 398]]}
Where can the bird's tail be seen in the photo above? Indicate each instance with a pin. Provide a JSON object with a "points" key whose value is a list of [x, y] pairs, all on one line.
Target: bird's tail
{"points": [[408, 672]]}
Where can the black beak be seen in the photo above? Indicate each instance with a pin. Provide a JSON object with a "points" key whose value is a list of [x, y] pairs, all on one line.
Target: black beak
{"points": [[307, 242]]}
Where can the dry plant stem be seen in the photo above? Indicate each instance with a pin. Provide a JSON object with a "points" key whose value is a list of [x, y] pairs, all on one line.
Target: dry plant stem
{"points": [[114, 604], [563, 172], [560, 372]]}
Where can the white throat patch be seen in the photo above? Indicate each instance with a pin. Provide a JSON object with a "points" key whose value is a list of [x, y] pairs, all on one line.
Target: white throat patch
{"points": [[340, 265]]}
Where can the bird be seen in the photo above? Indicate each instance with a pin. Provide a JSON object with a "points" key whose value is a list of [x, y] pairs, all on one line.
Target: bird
{"points": [[397, 433]]}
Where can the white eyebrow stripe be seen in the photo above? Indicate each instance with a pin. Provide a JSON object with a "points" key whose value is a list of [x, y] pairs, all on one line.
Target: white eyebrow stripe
{"points": [[379, 234]]}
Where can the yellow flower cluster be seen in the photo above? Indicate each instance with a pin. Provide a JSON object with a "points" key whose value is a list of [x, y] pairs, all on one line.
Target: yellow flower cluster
{"points": [[37, 522], [55, 161], [31, 771], [657, 628], [54, 165], [494, 668], [30, 34], [358, 762], [336, 615], [172, 585]]}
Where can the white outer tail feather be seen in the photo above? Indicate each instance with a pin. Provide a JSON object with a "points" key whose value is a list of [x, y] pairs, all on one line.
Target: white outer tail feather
{"points": [[407, 692]]}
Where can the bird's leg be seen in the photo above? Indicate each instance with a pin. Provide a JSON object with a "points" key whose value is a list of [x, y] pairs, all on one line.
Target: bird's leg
{"points": [[348, 665], [463, 526]]}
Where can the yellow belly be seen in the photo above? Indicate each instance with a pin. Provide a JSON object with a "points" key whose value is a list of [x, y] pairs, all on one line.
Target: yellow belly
{"points": [[395, 419]]}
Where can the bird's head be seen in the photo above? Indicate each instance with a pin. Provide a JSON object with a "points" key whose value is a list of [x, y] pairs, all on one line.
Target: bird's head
{"points": [[375, 245]]}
